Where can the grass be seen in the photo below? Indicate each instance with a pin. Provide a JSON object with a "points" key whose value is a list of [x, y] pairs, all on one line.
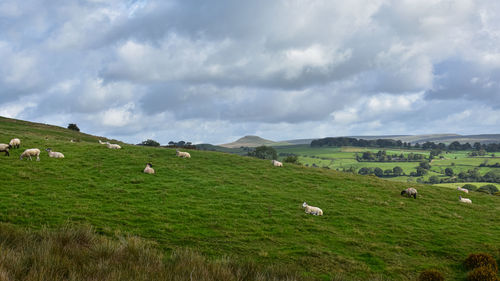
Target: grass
{"points": [[222, 205]]}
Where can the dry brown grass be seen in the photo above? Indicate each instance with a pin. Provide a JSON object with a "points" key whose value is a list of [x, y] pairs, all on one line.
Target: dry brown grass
{"points": [[79, 253]]}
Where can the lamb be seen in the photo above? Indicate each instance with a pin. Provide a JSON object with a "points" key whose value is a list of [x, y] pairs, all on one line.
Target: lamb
{"points": [[464, 200], [31, 152], [15, 143], [277, 163], [5, 148], [463, 189], [112, 145], [312, 210], [54, 154], [409, 192], [182, 154], [149, 169]]}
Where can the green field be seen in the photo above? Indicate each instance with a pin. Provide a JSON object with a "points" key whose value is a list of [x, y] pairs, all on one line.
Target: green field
{"points": [[243, 209]]}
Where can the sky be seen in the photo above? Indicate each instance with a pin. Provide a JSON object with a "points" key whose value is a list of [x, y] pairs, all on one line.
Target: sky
{"points": [[214, 71]]}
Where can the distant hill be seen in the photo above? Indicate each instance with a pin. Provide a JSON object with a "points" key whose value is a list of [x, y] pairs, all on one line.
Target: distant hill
{"points": [[252, 141]]}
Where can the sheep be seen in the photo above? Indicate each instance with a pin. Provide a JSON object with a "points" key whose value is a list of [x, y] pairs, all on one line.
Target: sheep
{"points": [[5, 148], [312, 210], [149, 169], [182, 154], [464, 200], [409, 192], [15, 143], [276, 163], [463, 189], [102, 142], [112, 145], [31, 152], [54, 154]]}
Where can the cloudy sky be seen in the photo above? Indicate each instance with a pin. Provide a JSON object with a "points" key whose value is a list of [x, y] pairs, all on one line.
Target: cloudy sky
{"points": [[213, 71]]}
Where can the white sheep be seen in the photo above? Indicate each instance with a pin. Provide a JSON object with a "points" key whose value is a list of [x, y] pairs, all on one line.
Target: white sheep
{"points": [[5, 148], [112, 145], [409, 192], [182, 154], [464, 200], [463, 189], [149, 169], [312, 210], [102, 142], [31, 152], [276, 163], [15, 143], [54, 154]]}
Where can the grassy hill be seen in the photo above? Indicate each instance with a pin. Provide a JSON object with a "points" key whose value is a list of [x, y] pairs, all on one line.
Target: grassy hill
{"points": [[226, 206], [252, 141]]}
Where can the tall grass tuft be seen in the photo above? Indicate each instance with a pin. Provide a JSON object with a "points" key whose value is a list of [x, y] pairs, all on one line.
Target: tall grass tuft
{"points": [[78, 253]]}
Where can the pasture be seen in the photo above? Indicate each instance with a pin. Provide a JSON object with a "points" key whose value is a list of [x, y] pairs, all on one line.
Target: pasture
{"points": [[242, 209]]}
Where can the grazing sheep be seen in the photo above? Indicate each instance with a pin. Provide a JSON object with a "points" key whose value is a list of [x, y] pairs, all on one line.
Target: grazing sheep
{"points": [[149, 169], [464, 200], [31, 152], [409, 192], [276, 163], [182, 154], [463, 189], [54, 154], [112, 145], [15, 143], [312, 210], [5, 148], [101, 142]]}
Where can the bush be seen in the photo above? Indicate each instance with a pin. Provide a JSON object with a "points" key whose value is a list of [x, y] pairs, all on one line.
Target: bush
{"points": [[431, 275], [469, 187], [73, 127], [292, 159], [489, 188], [480, 260], [483, 273], [150, 142]]}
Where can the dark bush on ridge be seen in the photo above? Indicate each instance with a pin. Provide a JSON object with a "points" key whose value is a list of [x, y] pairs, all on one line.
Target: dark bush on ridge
{"points": [[489, 188], [470, 187], [430, 275]]}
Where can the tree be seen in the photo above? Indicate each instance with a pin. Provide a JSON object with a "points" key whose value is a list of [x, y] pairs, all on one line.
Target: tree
{"points": [[449, 172], [433, 180], [378, 172], [73, 127], [425, 165], [421, 171], [264, 152], [364, 171], [150, 142], [387, 172], [397, 171]]}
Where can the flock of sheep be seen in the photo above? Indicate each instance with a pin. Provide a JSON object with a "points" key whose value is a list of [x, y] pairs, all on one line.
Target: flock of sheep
{"points": [[32, 152], [412, 192]]}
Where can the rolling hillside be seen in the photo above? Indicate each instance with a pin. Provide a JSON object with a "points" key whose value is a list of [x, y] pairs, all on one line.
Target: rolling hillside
{"points": [[251, 141], [226, 206]]}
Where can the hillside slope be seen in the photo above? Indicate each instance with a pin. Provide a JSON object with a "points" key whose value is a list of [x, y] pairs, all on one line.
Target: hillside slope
{"points": [[251, 141], [243, 208]]}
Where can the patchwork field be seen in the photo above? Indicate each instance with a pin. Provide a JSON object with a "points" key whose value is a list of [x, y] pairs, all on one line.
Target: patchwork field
{"points": [[229, 207]]}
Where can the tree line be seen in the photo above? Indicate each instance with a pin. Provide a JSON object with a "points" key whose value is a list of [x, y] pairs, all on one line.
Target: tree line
{"points": [[390, 143]]}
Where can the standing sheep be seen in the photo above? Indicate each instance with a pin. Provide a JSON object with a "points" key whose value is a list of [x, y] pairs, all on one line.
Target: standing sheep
{"points": [[409, 192], [312, 210], [149, 169], [5, 148], [15, 143], [464, 200], [54, 154], [463, 189], [276, 163], [182, 154], [31, 152]]}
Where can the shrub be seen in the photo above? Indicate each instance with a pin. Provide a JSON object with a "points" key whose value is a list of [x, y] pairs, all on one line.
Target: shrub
{"points": [[150, 142], [430, 275], [480, 260], [483, 273], [73, 127], [489, 188], [469, 187], [291, 159]]}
